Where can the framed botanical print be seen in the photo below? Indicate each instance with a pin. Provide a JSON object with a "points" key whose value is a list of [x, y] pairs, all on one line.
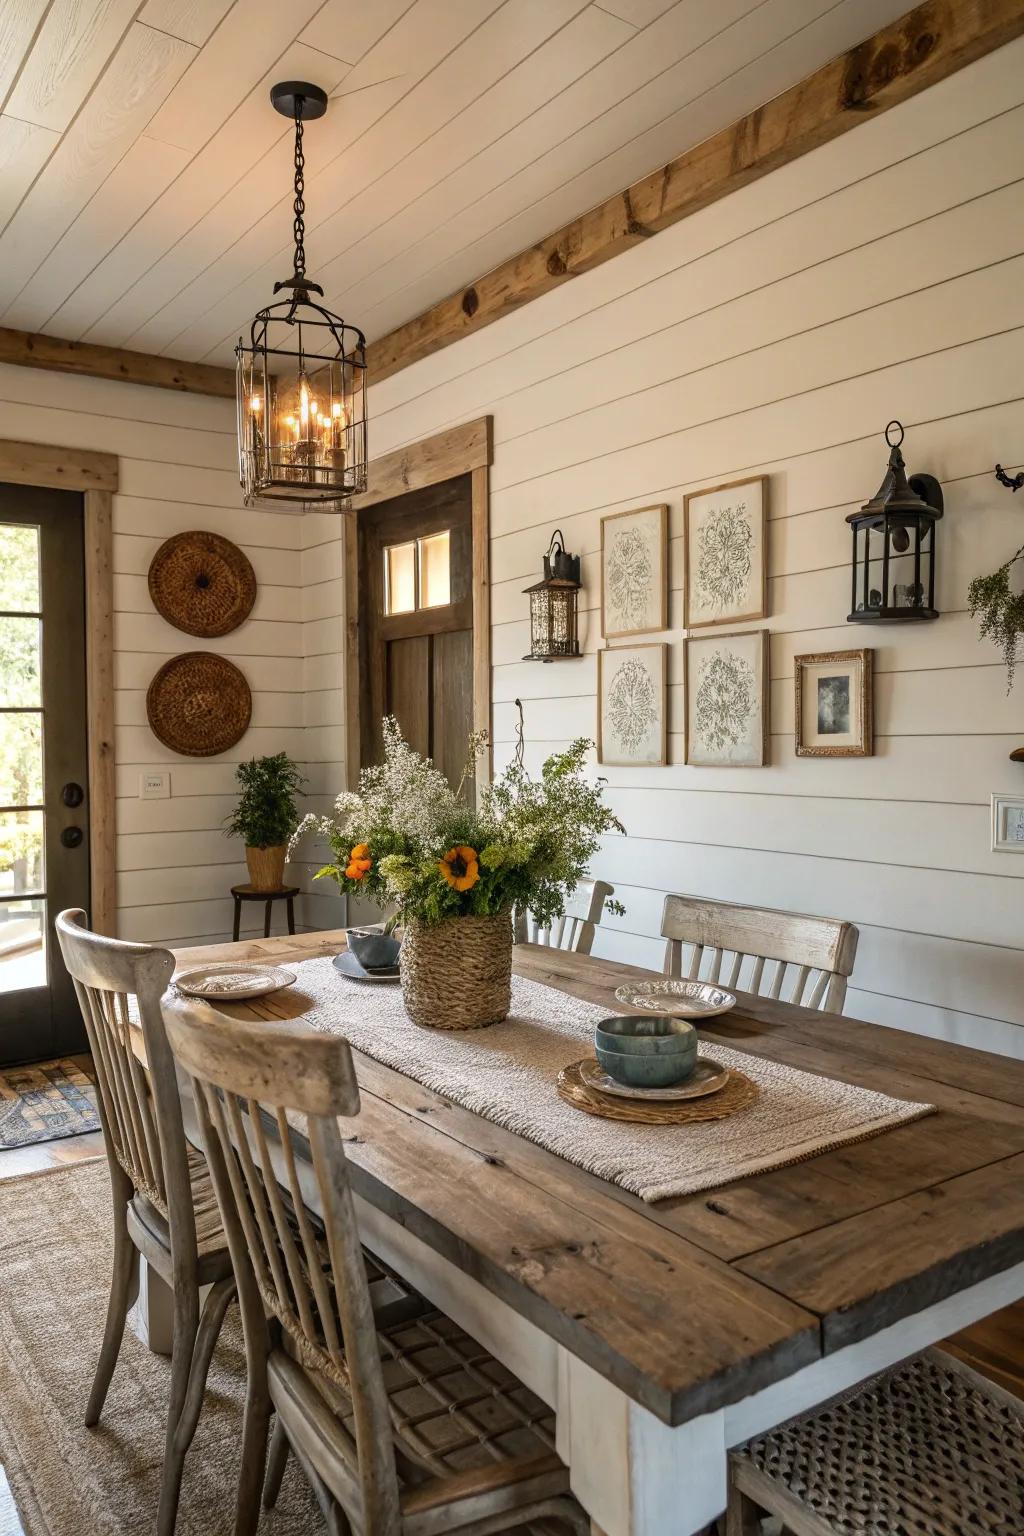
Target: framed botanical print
{"points": [[834, 704], [725, 531], [634, 572], [727, 699], [632, 719]]}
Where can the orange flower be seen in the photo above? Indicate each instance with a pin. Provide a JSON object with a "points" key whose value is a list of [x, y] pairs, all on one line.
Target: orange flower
{"points": [[460, 868], [359, 862]]}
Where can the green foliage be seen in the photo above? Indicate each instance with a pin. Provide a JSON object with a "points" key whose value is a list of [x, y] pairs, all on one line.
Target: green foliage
{"points": [[266, 814], [1001, 611], [527, 844]]}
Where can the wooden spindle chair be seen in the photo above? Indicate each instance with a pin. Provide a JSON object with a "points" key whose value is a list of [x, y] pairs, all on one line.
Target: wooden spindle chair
{"points": [[403, 1425], [164, 1205], [576, 928], [782, 955]]}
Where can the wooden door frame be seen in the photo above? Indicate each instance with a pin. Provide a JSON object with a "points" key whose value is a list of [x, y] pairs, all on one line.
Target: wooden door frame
{"points": [[96, 475], [462, 450]]}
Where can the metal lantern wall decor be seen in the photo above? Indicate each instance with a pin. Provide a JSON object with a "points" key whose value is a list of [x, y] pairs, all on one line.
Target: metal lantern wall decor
{"points": [[553, 605], [894, 545], [301, 377]]}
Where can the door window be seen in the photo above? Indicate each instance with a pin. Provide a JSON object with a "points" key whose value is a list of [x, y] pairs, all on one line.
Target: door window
{"points": [[417, 574], [22, 876]]}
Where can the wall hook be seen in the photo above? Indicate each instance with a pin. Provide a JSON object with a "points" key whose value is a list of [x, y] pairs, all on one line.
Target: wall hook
{"points": [[1012, 482]]}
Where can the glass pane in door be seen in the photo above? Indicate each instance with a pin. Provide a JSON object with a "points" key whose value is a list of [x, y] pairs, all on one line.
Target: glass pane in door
{"points": [[22, 945], [19, 568], [21, 759], [21, 853], [19, 661]]}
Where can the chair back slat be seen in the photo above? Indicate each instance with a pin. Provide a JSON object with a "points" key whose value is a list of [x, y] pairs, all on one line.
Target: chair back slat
{"points": [[575, 930], [786, 949], [138, 1094], [250, 1079]]}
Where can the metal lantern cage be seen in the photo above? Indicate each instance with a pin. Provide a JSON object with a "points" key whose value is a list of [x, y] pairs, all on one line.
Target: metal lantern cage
{"points": [[553, 605], [893, 572], [301, 379]]}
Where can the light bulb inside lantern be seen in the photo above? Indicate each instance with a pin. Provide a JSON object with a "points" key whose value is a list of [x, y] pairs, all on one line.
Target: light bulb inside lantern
{"points": [[255, 405]]}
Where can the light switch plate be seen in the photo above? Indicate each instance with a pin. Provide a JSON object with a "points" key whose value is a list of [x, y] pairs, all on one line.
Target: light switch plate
{"points": [[154, 785], [1008, 824]]}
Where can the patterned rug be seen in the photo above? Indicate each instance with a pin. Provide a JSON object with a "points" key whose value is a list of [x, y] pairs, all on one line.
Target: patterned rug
{"points": [[45, 1103]]}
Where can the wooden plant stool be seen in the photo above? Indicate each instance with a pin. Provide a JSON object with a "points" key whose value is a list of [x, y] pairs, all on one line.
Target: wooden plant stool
{"points": [[242, 893], [929, 1449]]}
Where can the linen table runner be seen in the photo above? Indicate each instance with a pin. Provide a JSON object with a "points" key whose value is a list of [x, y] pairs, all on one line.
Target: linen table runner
{"points": [[507, 1074]]}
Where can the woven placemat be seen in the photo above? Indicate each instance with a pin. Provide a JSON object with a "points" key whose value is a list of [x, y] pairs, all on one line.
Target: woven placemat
{"points": [[738, 1093], [199, 704], [202, 584]]}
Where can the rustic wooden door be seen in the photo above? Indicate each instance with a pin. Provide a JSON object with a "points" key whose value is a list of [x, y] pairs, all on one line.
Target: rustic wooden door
{"points": [[44, 812], [416, 607]]}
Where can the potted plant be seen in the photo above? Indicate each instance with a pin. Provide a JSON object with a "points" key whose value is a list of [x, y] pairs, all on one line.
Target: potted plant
{"points": [[266, 816], [408, 840], [1001, 610]]}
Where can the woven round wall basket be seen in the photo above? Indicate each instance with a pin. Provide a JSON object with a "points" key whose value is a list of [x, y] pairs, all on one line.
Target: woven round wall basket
{"points": [[457, 974], [199, 704], [202, 584]]}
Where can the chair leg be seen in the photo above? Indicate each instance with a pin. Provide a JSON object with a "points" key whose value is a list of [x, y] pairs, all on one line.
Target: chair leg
{"points": [[180, 1438], [124, 1272], [742, 1516], [277, 1460], [186, 1329]]}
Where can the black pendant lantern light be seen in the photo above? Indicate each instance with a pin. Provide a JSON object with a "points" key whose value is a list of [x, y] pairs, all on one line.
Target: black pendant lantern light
{"points": [[894, 545], [302, 375]]}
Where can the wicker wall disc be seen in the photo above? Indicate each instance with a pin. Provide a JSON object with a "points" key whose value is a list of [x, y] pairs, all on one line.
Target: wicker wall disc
{"points": [[202, 584], [738, 1093], [199, 704]]}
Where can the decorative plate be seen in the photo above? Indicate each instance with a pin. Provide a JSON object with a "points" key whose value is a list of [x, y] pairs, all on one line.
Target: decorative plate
{"points": [[199, 704], [738, 1094], [349, 966], [230, 983], [681, 999], [707, 1077], [202, 583]]}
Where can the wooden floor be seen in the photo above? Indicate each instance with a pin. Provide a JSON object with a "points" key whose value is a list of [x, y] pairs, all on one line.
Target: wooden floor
{"points": [[995, 1346]]}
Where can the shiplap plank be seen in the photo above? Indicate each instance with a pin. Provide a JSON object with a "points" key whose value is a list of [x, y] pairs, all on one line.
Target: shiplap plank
{"points": [[161, 517], [118, 401], [349, 28], [135, 670], [136, 745], [142, 819], [19, 20], [191, 20], [145, 67], [133, 554], [67, 57], [164, 447], [325, 671], [157, 851], [258, 637], [24, 150]]}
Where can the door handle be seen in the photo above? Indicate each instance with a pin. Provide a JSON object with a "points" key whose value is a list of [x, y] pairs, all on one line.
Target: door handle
{"points": [[71, 837], [72, 795]]}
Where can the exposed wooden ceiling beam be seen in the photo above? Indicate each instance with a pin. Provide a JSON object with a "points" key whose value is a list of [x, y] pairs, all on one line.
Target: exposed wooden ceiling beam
{"points": [[36, 351], [917, 51]]}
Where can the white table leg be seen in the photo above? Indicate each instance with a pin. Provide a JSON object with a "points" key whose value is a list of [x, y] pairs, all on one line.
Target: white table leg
{"points": [[634, 1475], [152, 1317]]}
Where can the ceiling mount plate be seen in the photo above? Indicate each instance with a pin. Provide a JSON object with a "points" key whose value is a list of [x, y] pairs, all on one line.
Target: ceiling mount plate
{"points": [[291, 96]]}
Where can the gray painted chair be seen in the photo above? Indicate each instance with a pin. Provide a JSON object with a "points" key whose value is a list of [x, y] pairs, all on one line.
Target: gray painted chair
{"points": [[164, 1205], [804, 960], [575, 930], [403, 1425]]}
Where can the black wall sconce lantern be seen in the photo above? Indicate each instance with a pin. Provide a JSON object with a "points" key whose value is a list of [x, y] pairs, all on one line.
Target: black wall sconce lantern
{"points": [[553, 605], [894, 545]]}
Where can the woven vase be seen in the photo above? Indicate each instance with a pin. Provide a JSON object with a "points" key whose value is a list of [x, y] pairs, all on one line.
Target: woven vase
{"points": [[457, 974], [266, 867]]}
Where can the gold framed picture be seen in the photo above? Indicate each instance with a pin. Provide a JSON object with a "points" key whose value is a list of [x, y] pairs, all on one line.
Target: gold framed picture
{"points": [[634, 572], [835, 704], [632, 705], [725, 533]]}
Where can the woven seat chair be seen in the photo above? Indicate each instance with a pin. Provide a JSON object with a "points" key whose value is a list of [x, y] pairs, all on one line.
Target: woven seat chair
{"points": [[930, 1449], [804, 960], [402, 1423], [576, 928], [164, 1205]]}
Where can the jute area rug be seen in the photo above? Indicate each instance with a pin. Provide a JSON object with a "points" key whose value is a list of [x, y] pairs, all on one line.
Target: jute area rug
{"points": [[71, 1481]]}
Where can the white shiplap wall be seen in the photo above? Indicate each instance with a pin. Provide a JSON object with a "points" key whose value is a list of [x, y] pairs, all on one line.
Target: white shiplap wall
{"points": [[777, 332], [177, 471]]}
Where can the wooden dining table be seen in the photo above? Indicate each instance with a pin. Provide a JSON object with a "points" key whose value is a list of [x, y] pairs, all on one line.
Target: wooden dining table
{"points": [[664, 1334]]}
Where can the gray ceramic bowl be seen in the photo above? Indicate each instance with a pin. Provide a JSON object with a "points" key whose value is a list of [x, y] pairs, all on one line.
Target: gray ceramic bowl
{"points": [[374, 950], [647, 1034], [647, 1071]]}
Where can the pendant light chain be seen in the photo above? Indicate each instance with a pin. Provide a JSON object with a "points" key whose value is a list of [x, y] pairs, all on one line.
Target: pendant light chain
{"points": [[299, 227]]}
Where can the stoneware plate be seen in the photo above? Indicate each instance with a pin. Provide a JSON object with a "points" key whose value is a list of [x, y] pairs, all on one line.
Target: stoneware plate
{"points": [[349, 966], [683, 999], [227, 983], [707, 1077]]}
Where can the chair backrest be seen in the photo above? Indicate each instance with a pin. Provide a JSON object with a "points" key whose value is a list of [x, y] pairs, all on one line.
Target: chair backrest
{"points": [[140, 1108], [247, 1076], [576, 927], [757, 946]]}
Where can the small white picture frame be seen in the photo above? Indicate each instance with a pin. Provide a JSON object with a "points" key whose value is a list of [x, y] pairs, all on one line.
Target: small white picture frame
{"points": [[1008, 823], [632, 718]]}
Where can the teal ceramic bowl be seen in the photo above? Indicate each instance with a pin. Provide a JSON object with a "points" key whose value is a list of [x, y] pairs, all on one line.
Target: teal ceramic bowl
{"points": [[646, 1051]]}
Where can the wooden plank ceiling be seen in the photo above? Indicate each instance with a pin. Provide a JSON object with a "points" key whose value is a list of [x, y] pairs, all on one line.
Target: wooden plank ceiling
{"points": [[145, 180]]}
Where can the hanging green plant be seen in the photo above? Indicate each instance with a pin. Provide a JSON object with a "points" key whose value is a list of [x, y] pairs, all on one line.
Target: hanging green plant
{"points": [[1001, 612]]}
